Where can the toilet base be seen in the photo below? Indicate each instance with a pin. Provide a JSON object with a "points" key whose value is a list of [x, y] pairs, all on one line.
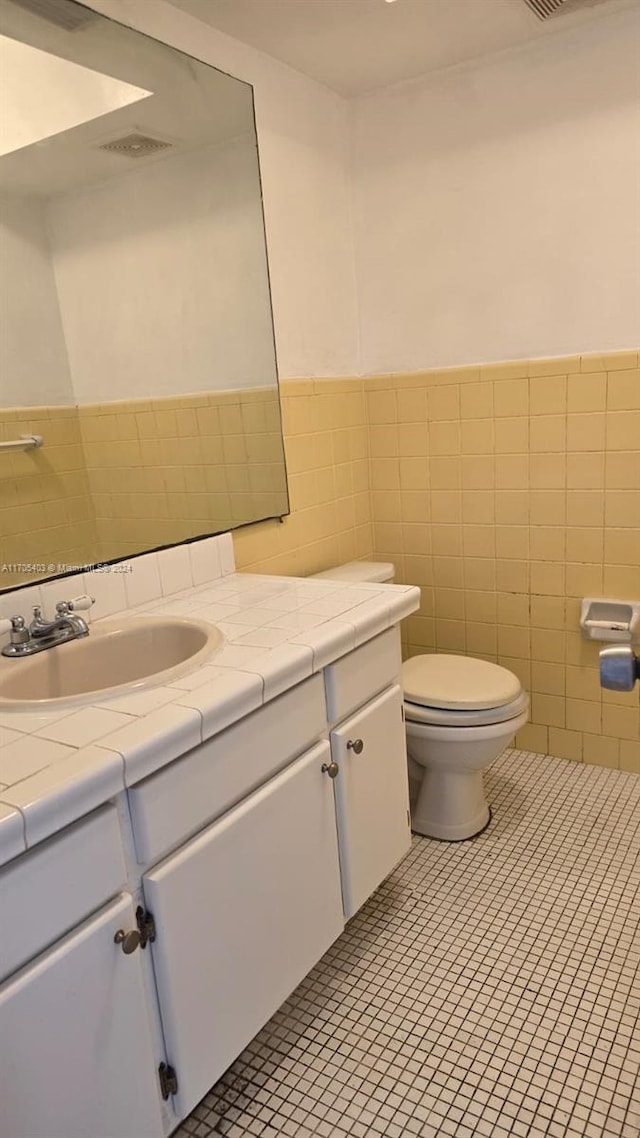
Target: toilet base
{"points": [[451, 806]]}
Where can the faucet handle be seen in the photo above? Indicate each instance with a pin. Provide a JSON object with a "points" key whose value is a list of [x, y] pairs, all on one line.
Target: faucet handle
{"points": [[12, 624], [77, 604], [18, 629]]}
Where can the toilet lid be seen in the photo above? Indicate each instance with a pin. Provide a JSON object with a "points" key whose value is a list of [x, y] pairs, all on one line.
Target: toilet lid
{"points": [[418, 713], [458, 682]]}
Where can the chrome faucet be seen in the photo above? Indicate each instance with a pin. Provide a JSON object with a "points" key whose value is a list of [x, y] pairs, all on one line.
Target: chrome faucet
{"points": [[42, 634]]}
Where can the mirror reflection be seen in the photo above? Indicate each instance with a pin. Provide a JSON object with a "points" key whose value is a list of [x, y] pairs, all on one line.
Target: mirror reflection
{"points": [[136, 333]]}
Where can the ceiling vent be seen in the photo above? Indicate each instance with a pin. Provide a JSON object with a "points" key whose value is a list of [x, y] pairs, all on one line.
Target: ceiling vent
{"points": [[545, 9], [64, 14], [135, 146]]}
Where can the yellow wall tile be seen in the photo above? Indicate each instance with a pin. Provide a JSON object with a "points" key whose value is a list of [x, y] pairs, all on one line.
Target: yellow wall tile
{"points": [[479, 506], [478, 472], [622, 722], [547, 579], [476, 400], [533, 737], [556, 365], [548, 433], [477, 436], [623, 390], [412, 475], [443, 403], [565, 744], [622, 546], [511, 435], [548, 709], [629, 756], [548, 395], [412, 405], [587, 392], [623, 430], [584, 715], [585, 471], [512, 471], [600, 750], [548, 471], [511, 397], [622, 508], [610, 362], [479, 570], [444, 438], [583, 580], [586, 431], [547, 543]]}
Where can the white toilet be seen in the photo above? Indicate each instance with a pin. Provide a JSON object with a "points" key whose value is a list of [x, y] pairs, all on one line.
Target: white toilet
{"points": [[460, 714]]}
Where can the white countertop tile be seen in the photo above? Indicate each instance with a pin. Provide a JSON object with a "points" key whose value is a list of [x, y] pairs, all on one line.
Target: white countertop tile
{"points": [[8, 736], [197, 679], [12, 836], [27, 756], [283, 668], [225, 700], [140, 702], [263, 638], [148, 743], [28, 722], [59, 794], [327, 642], [84, 726], [233, 656]]}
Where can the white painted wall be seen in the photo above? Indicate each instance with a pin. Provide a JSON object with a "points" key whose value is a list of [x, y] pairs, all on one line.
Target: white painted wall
{"points": [[497, 205], [33, 356], [161, 276], [303, 132]]}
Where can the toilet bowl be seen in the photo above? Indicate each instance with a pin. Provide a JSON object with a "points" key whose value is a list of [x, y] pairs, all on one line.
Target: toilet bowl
{"points": [[460, 715]]}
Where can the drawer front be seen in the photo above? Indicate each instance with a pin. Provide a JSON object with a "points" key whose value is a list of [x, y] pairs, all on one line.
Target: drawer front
{"points": [[355, 678], [54, 886], [178, 801]]}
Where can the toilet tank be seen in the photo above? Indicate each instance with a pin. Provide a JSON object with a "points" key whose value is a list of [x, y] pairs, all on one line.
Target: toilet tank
{"points": [[360, 572]]}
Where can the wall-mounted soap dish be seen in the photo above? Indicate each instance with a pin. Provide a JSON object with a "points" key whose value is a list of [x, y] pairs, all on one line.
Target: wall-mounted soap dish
{"points": [[610, 620]]}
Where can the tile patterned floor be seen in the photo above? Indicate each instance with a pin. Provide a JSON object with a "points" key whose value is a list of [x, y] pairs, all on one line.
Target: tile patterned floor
{"points": [[489, 988]]}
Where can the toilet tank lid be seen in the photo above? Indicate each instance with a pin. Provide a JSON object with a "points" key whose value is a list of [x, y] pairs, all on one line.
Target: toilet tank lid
{"points": [[458, 682], [354, 571]]}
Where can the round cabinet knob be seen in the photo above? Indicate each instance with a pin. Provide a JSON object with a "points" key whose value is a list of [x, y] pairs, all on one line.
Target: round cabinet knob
{"points": [[331, 769], [355, 745], [128, 941]]}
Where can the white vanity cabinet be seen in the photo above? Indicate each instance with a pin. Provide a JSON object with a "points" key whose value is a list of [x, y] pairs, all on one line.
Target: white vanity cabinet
{"points": [[250, 852], [242, 913], [76, 1056]]}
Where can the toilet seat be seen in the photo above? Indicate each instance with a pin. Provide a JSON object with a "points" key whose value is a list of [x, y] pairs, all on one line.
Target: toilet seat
{"points": [[447, 717], [460, 691], [459, 684]]}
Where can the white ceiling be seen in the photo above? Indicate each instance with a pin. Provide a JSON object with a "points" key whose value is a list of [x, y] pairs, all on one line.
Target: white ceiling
{"points": [[355, 46]]}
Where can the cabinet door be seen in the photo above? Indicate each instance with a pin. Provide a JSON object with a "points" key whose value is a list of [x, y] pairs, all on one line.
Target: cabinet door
{"points": [[242, 912], [372, 796], [76, 1057]]}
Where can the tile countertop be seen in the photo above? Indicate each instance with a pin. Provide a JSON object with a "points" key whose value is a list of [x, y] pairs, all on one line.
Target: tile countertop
{"points": [[55, 767]]}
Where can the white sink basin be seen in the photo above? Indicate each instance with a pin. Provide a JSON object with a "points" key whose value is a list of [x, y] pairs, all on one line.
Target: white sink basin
{"points": [[116, 658]]}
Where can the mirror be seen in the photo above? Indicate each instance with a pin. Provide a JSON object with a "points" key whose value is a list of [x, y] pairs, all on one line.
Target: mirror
{"points": [[136, 333]]}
